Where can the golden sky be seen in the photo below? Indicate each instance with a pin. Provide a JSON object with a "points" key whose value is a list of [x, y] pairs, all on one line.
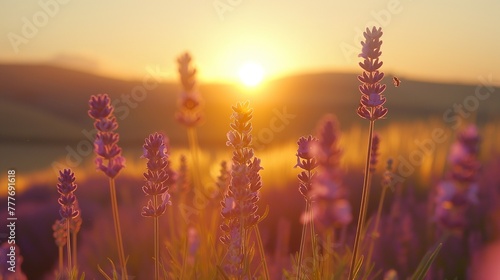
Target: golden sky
{"points": [[452, 41]]}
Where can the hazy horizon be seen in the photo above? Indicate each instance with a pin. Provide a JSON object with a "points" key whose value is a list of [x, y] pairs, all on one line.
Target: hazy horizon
{"points": [[284, 38], [174, 79]]}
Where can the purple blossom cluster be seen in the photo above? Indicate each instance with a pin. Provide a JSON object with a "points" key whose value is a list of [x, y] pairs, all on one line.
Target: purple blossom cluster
{"points": [[330, 205], [105, 144], [371, 106], [239, 205], [158, 176], [307, 162], [459, 190], [190, 103], [66, 188]]}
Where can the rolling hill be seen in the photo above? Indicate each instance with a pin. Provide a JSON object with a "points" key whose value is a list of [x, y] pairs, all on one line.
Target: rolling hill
{"points": [[42, 105]]}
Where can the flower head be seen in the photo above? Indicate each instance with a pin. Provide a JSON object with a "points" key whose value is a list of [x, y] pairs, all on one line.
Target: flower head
{"points": [[109, 159], [67, 200], [328, 194], [157, 175], [458, 193], [307, 162], [326, 150], [60, 233], [372, 100], [190, 103], [186, 73], [464, 155]]}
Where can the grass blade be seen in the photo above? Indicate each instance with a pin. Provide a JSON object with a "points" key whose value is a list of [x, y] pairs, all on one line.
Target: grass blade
{"points": [[426, 262]]}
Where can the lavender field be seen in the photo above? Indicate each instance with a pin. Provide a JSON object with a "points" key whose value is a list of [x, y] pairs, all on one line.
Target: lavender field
{"points": [[434, 181], [377, 160]]}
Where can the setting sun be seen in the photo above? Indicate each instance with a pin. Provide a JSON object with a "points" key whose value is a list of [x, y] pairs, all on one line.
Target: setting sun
{"points": [[251, 74]]}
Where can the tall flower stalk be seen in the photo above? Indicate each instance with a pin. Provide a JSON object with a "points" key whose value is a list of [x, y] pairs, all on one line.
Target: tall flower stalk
{"points": [[372, 108], [190, 109], [109, 159], [459, 191], [76, 224], [307, 162], [331, 207], [60, 238], [66, 188], [156, 186], [239, 205], [386, 184]]}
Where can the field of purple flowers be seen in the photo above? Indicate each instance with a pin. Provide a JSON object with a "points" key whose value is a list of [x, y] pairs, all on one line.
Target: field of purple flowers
{"points": [[332, 205]]}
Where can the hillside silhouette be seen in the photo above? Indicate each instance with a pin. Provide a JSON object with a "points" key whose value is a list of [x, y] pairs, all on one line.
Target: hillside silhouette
{"points": [[47, 105]]}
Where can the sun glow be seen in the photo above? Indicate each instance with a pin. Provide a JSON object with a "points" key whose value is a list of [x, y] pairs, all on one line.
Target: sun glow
{"points": [[251, 74]]}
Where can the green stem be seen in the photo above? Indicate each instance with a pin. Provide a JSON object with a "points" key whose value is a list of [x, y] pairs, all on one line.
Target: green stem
{"points": [[375, 233], [313, 238], [330, 240], [156, 239], [68, 246], [364, 204], [262, 252], [193, 147], [61, 260], [203, 224], [184, 258], [302, 245], [73, 237], [118, 233]]}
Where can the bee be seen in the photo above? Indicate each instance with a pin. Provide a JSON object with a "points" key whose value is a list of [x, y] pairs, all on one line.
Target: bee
{"points": [[396, 81]]}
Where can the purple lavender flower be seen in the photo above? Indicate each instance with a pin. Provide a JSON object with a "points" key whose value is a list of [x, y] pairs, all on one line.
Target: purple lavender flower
{"points": [[60, 233], [190, 102], [105, 144], [307, 162], [463, 155], [239, 205], [372, 101], [459, 191], [157, 176], [66, 188], [330, 206], [67, 200], [371, 107]]}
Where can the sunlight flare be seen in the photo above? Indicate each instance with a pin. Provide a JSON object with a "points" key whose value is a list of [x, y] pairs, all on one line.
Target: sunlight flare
{"points": [[251, 74]]}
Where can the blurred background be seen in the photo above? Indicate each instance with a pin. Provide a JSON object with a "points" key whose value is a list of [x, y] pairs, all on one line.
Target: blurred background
{"points": [[294, 61]]}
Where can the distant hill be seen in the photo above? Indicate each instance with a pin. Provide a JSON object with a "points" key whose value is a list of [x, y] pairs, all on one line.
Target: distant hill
{"points": [[42, 104]]}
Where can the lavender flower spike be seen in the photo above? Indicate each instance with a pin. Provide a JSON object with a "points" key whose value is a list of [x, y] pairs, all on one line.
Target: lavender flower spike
{"points": [[190, 103], [157, 175], [371, 107], [372, 101], [307, 162], [66, 187], [157, 183], [239, 205], [105, 144], [109, 159]]}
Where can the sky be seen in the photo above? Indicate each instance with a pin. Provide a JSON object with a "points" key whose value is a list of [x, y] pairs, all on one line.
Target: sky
{"points": [[433, 40]]}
